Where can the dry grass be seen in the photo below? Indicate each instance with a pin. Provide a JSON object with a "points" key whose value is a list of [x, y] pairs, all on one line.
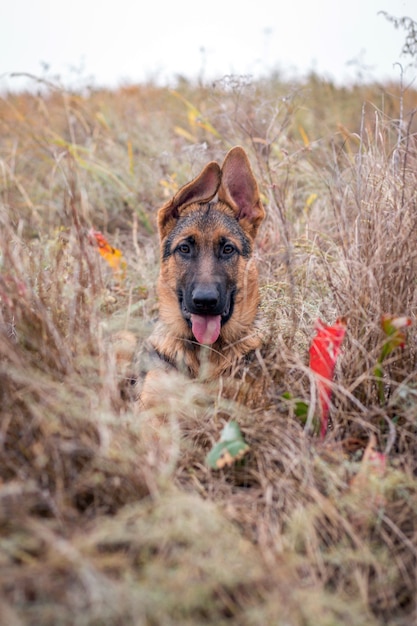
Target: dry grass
{"points": [[95, 526]]}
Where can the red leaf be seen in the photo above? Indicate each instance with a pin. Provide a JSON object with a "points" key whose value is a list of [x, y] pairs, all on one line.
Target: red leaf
{"points": [[323, 355]]}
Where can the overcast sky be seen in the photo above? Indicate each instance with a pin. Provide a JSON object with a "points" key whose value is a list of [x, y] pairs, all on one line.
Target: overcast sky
{"points": [[126, 41]]}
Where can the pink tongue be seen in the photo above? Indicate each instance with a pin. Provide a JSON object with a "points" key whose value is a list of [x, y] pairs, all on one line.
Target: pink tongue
{"points": [[206, 328]]}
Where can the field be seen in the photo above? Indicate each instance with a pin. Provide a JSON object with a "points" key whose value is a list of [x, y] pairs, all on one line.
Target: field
{"points": [[99, 527]]}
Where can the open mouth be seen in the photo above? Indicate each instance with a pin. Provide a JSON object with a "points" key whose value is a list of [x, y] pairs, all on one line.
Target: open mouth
{"points": [[206, 328]]}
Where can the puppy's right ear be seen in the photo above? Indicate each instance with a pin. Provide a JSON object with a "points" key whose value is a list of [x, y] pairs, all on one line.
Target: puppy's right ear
{"points": [[239, 190], [202, 189]]}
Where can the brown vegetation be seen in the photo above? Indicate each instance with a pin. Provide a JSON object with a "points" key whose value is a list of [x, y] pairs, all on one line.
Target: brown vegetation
{"points": [[94, 527]]}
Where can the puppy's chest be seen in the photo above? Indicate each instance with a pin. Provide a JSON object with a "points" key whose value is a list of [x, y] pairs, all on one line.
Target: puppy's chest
{"points": [[241, 378]]}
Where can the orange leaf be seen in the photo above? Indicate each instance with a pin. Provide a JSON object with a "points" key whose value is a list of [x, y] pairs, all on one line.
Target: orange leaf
{"points": [[373, 464], [323, 355], [113, 256]]}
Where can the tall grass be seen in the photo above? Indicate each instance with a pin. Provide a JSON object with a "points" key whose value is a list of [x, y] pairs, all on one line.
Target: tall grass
{"points": [[100, 526]]}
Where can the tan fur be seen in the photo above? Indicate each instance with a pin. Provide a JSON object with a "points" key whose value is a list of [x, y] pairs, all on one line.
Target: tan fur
{"points": [[238, 198]]}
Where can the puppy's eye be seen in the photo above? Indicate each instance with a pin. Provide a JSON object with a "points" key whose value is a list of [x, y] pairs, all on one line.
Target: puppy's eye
{"points": [[184, 248], [228, 249]]}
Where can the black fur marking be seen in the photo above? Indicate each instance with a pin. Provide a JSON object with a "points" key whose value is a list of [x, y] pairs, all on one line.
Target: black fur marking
{"points": [[207, 218]]}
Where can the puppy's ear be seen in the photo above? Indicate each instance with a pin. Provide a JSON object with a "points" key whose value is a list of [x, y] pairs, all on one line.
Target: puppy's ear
{"points": [[202, 189], [239, 190]]}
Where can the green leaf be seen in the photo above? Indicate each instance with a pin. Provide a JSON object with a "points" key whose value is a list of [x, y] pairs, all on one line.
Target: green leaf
{"points": [[300, 407], [393, 327], [231, 447]]}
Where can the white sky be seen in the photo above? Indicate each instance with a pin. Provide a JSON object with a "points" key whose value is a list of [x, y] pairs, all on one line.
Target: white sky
{"points": [[126, 41]]}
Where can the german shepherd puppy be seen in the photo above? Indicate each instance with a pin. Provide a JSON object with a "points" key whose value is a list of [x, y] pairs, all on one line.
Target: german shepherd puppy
{"points": [[208, 283]]}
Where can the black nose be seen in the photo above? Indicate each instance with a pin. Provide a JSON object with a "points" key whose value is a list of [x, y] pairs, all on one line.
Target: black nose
{"points": [[205, 298]]}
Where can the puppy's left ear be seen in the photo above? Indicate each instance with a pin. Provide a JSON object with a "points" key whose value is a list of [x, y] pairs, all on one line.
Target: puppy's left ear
{"points": [[239, 190], [202, 189]]}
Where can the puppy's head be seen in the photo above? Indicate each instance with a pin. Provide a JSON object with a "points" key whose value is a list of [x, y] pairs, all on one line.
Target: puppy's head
{"points": [[205, 252]]}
